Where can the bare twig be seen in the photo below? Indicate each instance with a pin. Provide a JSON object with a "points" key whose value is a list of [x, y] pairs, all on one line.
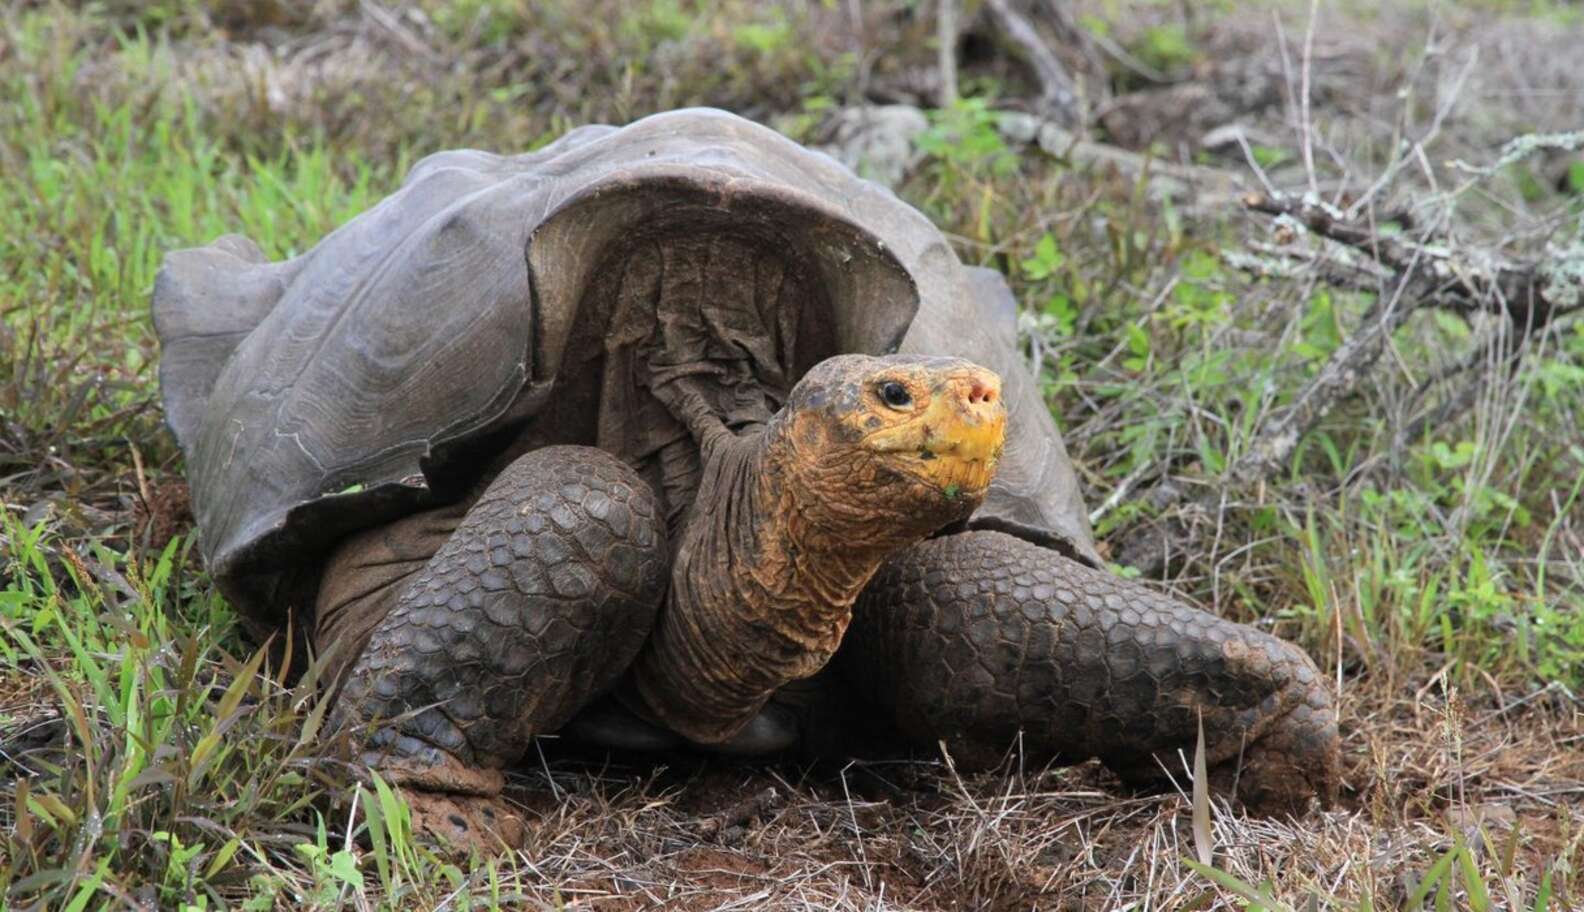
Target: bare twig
{"points": [[1096, 90], [1058, 94], [1416, 274], [1415, 149], [738, 814], [1305, 118], [392, 26], [1121, 55], [946, 53]]}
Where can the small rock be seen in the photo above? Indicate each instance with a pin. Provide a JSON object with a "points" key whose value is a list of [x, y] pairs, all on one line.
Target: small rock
{"points": [[877, 141], [1018, 127], [1056, 141]]}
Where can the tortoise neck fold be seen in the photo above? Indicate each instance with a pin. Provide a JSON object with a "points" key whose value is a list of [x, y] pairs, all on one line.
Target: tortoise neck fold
{"points": [[762, 587]]}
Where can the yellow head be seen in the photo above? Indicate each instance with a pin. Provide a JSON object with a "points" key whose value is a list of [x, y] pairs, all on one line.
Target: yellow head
{"points": [[889, 446]]}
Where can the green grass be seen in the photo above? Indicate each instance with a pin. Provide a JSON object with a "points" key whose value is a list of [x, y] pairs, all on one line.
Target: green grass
{"points": [[173, 766], [203, 773]]}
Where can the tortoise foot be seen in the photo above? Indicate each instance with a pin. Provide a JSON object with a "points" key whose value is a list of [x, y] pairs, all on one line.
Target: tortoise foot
{"points": [[450, 801], [487, 825], [1296, 756], [531, 607], [979, 639]]}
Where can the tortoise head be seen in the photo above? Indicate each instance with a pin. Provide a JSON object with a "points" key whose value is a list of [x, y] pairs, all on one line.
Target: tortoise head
{"points": [[891, 447]]}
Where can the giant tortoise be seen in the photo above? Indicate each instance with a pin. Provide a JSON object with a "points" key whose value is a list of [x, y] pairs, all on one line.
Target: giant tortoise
{"points": [[679, 435]]}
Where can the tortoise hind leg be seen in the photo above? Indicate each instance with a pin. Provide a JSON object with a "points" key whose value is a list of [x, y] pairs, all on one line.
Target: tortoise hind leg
{"points": [[975, 637], [533, 606]]}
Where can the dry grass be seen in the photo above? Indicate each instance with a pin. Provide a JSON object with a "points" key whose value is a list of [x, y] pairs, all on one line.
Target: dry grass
{"points": [[1440, 578], [1423, 767]]}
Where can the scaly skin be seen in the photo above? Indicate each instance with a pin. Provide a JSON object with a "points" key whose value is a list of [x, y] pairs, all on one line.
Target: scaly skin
{"points": [[532, 607], [790, 524], [971, 638], [548, 589]]}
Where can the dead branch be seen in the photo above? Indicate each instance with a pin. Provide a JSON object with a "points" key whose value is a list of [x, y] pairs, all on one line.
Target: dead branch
{"points": [[1442, 275], [946, 52], [1416, 274], [1058, 96], [1202, 187], [735, 816], [1096, 90]]}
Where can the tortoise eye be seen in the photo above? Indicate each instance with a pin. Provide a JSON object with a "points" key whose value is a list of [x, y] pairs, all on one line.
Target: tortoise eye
{"points": [[895, 395]]}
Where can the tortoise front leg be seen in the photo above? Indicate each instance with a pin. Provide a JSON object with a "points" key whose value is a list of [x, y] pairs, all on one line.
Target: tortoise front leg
{"points": [[533, 607], [975, 637]]}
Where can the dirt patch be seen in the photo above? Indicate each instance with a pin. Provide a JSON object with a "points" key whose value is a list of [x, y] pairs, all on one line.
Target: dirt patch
{"points": [[162, 513], [624, 833]]}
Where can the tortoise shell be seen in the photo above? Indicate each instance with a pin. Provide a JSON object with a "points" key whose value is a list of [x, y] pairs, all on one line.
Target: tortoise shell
{"points": [[374, 375]]}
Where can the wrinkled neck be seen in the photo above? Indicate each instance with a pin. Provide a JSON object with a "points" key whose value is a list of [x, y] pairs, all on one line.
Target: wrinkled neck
{"points": [[809, 559], [762, 586], [778, 537]]}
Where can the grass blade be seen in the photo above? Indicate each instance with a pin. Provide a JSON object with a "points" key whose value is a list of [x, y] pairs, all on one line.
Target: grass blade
{"points": [[1432, 879], [1201, 801]]}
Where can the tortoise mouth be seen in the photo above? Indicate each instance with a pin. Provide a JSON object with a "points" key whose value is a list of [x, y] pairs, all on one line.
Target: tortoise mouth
{"points": [[953, 478], [959, 462]]}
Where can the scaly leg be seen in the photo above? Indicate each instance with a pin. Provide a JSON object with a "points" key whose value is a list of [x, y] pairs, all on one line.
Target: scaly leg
{"points": [[974, 637], [532, 608]]}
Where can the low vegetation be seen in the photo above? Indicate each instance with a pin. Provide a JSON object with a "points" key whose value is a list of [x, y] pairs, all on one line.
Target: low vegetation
{"points": [[1422, 534]]}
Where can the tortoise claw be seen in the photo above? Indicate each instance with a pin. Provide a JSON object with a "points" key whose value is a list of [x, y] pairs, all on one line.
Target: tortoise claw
{"points": [[976, 637], [1297, 757], [466, 823], [454, 803]]}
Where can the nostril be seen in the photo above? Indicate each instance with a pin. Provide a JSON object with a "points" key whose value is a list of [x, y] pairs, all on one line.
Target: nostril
{"points": [[980, 393]]}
